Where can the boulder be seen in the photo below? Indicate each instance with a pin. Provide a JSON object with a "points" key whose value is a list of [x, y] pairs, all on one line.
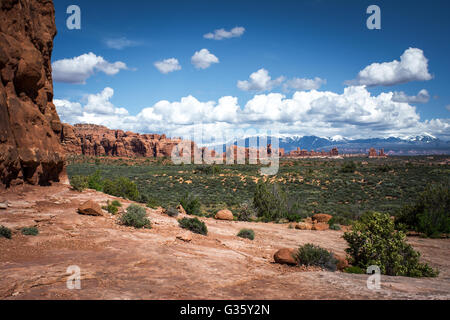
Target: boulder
{"points": [[90, 208], [303, 226], [3, 206], [285, 256], [224, 215], [321, 217], [320, 226]]}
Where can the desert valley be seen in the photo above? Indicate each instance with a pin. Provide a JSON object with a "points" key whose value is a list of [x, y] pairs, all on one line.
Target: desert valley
{"points": [[91, 212]]}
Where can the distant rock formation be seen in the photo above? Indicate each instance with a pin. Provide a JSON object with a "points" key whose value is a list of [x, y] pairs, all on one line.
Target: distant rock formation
{"points": [[29, 125], [95, 140]]}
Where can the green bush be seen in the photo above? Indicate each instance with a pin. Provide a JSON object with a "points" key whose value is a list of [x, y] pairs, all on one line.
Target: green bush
{"points": [[194, 225], [172, 212], [191, 204], [116, 203], [79, 183], [247, 234], [31, 231], [374, 241], [153, 203], [208, 169], [354, 269], [111, 208], [335, 227], [5, 232], [270, 202], [312, 255], [136, 216], [121, 187], [348, 167], [430, 214], [95, 181], [246, 211]]}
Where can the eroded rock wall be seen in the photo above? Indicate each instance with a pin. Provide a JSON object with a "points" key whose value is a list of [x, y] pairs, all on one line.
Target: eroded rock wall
{"points": [[30, 128], [95, 140]]}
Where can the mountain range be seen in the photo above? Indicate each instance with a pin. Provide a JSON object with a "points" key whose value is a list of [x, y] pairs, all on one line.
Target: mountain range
{"points": [[418, 145]]}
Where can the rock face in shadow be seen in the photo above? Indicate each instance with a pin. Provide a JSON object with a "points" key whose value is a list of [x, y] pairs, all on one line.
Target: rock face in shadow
{"points": [[30, 151], [95, 140]]}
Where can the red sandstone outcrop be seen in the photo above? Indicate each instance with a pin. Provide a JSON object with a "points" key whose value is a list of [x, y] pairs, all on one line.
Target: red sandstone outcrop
{"points": [[95, 140], [285, 256], [29, 125]]}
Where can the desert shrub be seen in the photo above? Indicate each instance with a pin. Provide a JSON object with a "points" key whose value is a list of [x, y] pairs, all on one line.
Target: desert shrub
{"points": [[270, 202], [116, 203], [384, 168], [247, 234], [194, 225], [354, 269], [430, 214], [5, 232], [312, 255], [31, 231], [348, 167], [111, 208], [208, 169], [95, 181], [172, 212], [335, 227], [246, 211], [374, 241], [135, 216], [153, 203], [191, 204], [79, 183], [121, 187]]}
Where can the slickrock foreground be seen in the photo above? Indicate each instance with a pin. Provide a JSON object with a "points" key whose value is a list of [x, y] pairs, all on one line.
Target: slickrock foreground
{"points": [[119, 262]]}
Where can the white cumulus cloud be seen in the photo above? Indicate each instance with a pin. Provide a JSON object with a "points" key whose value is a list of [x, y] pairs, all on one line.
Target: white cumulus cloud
{"points": [[168, 65], [77, 70], [413, 66], [259, 81], [422, 97], [301, 84], [221, 34], [203, 59], [354, 113]]}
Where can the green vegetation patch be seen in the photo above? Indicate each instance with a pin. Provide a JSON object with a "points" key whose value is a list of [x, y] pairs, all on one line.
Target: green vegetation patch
{"points": [[136, 217], [247, 234], [194, 225], [374, 241]]}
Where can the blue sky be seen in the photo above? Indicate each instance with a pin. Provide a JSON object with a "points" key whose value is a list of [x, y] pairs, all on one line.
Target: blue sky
{"points": [[290, 39]]}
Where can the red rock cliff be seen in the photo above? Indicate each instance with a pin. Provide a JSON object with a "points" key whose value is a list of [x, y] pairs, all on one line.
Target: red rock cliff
{"points": [[29, 125], [95, 140]]}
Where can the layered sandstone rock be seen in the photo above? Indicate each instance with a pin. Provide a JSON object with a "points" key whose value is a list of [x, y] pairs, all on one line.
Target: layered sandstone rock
{"points": [[29, 125], [95, 140]]}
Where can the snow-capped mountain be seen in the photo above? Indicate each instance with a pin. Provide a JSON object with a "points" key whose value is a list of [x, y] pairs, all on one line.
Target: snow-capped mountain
{"points": [[417, 145]]}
